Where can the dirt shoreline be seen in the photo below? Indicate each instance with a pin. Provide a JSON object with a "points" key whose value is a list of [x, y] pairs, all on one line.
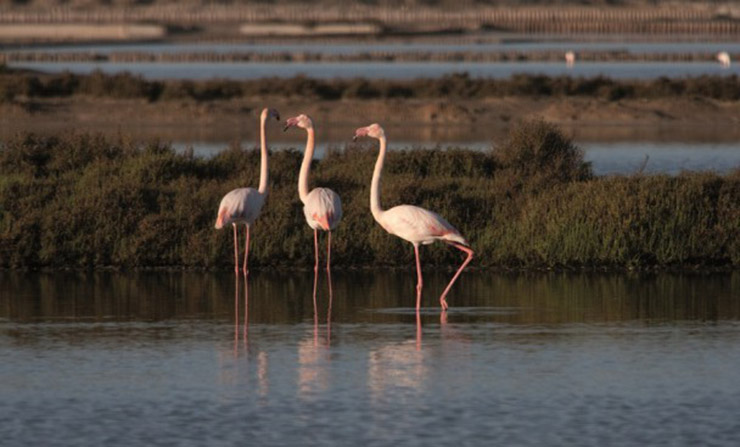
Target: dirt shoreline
{"points": [[688, 119]]}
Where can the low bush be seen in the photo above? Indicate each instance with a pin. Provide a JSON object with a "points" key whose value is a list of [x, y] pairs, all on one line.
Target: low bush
{"points": [[85, 201]]}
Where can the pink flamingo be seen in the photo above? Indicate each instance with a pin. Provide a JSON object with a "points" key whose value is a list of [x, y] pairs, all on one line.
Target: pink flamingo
{"points": [[243, 205], [321, 206], [411, 223]]}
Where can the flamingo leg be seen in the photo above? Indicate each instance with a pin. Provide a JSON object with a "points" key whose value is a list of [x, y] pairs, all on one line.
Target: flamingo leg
{"points": [[420, 280], [236, 315], [246, 251], [328, 252], [246, 309], [418, 330], [315, 310], [316, 249], [442, 300], [236, 251], [328, 312]]}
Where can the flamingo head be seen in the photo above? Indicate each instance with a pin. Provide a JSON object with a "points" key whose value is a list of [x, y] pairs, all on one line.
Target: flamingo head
{"points": [[372, 131], [302, 121], [270, 113]]}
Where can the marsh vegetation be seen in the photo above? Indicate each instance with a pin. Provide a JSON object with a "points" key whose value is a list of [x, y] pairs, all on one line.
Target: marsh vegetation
{"points": [[25, 85], [88, 201]]}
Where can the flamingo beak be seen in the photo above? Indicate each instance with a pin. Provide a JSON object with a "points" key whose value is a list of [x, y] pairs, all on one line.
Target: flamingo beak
{"points": [[290, 122], [361, 132]]}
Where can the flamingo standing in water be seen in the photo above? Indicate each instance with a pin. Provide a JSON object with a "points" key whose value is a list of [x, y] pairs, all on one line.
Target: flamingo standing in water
{"points": [[321, 206], [411, 223], [724, 59], [243, 205]]}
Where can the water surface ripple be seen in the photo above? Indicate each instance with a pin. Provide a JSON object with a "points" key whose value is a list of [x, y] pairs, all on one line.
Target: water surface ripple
{"points": [[528, 359]]}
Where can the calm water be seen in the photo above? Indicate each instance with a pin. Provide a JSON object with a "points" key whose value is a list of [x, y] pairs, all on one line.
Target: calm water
{"points": [[605, 157], [334, 47], [545, 359], [389, 70]]}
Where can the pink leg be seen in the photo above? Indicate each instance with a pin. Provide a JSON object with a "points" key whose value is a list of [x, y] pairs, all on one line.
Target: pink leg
{"points": [[442, 300], [246, 251], [316, 249], [315, 310], [420, 281], [236, 315], [236, 251], [328, 312], [328, 252], [418, 330], [246, 308]]}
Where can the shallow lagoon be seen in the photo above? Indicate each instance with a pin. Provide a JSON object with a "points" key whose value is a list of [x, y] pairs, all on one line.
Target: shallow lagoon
{"points": [[526, 359]]}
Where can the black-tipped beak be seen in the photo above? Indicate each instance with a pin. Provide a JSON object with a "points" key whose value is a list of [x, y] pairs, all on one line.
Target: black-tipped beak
{"points": [[354, 139], [287, 126]]}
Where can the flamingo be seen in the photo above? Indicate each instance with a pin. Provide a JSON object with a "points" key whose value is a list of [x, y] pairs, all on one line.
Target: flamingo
{"points": [[321, 206], [412, 223], [570, 58], [724, 59], [243, 205]]}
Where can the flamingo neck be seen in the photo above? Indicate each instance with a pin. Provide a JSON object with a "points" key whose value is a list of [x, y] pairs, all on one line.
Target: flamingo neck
{"points": [[306, 165], [375, 206], [263, 157]]}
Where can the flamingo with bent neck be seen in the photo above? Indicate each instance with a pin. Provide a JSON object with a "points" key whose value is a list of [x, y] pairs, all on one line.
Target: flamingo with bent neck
{"points": [[412, 223], [321, 206], [243, 205]]}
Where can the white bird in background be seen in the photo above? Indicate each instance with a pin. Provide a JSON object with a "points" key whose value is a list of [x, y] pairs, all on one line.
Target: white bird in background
{"points": [[321, 206], [570, 58], [411, 223], [724, 59], [243, 205]]}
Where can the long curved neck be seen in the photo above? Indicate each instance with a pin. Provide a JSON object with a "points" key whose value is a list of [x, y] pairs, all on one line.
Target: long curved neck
{"points": [[263, 157], [375, 206], [306, 165]]}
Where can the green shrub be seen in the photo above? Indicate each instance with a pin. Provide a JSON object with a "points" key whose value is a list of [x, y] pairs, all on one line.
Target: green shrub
{"points": [[86, 201]]}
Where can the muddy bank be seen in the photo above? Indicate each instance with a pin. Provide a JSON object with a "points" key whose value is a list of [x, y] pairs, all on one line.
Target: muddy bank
{"points": [[687, 119], [360, 56]]}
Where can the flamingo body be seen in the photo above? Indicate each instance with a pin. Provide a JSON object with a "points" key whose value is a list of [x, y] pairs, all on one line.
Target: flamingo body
{"points": [[323, 209], [412, 223], [724, 59], [570, 58], [242, 205], [321, 206], [419, 226]]}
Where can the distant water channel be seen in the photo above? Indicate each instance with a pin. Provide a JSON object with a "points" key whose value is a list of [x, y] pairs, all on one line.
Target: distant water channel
{"points": [[387, 70], [606, 158], [520, 359], [341, 47]]}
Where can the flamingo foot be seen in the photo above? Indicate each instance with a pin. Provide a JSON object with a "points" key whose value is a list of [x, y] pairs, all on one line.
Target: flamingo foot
{"points": [[443, 303]]}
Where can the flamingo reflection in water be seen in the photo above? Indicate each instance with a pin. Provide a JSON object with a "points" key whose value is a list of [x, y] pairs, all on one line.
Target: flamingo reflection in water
{"points": [[398, 366], [313, 358], [262, 359]]}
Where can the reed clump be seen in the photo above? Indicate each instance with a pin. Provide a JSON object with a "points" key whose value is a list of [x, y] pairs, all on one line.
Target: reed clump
{"points": [[16, 84], [88, 201]]}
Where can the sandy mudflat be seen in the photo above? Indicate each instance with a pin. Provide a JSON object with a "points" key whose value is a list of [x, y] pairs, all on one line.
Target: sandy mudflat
{"points": [[464, 120]]}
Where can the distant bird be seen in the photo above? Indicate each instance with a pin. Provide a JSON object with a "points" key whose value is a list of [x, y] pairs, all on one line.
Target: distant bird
{"points": [[243, 205], [570, 58], [724, 59], [411, 223], [321, 206]]}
